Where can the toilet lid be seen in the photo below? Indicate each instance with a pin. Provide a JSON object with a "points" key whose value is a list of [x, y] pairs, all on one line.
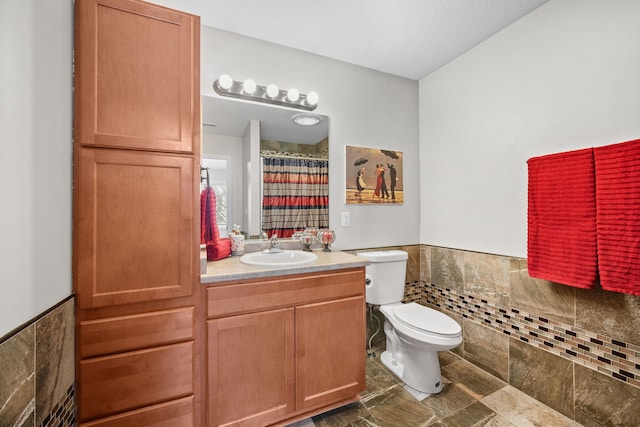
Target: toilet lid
{"points": [[420, 317]]}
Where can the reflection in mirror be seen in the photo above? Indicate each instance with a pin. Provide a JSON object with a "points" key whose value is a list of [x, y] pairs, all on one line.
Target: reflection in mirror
{"points": [[218, 174], [278, 170]]}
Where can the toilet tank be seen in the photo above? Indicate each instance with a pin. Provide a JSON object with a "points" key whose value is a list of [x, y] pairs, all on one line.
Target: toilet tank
{"points": [[385, 276]]}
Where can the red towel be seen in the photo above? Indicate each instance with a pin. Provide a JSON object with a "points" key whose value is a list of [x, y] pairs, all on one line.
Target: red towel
{"points": [[617, 170], [217, 248], [561, 244]]}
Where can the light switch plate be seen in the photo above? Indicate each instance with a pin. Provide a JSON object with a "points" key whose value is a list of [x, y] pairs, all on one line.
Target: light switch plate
{"points": [[346, 219]]}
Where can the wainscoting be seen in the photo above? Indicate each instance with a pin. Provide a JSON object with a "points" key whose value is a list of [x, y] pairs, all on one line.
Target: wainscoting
{"points": [[38, 372]]}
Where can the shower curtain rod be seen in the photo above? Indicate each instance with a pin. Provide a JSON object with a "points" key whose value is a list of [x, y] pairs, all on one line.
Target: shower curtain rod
{"points": [[284, 156]]}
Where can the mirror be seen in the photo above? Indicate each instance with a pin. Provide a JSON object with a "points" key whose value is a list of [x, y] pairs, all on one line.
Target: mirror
{"points": [[244, 134]]}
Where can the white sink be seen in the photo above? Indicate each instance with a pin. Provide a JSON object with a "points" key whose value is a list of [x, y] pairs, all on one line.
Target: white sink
{"points": [[278, 259]]}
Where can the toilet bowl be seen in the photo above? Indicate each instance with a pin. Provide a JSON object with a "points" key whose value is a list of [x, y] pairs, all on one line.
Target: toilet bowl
{"points": [[414, 333]]}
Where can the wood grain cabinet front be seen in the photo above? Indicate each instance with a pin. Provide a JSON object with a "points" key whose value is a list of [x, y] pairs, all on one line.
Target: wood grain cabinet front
{"points": [[127, 381], [285, 347], [330, 352], [175, 413], [136, 214], [251, 368], [135, 221], [133, 361], [137, 83]]}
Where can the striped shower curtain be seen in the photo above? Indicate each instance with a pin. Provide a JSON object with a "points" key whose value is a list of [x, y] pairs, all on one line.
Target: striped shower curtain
{"points": [[295, 195]]}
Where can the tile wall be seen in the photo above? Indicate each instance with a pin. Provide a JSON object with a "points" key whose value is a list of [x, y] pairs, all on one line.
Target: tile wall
{"points": [[577, 351], [37, 371]]}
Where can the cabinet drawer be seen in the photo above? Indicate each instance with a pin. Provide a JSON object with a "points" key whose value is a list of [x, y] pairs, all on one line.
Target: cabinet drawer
{"points": [[123, 382], [126, 333], [283, 291], [170, 414]]}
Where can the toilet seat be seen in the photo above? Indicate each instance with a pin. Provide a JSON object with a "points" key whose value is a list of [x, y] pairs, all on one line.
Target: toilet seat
{"points": [[415, 333], [425, 319]]}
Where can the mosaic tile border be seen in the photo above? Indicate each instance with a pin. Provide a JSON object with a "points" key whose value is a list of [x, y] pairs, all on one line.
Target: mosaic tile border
{"points": [[63, 414], [412, 292], [601, 353]]}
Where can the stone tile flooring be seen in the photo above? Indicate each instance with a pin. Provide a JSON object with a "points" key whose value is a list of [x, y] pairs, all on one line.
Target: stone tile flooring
{"points": [[471, 397]]}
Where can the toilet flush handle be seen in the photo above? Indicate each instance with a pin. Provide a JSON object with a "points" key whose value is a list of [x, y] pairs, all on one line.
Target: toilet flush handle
{"points": [[367, 281]]}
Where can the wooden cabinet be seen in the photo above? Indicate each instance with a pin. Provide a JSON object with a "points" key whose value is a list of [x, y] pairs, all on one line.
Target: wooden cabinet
{"points": [[134, 83], [284, 348], [136, 214], [134, 226], [330, 361], [251, 368]]}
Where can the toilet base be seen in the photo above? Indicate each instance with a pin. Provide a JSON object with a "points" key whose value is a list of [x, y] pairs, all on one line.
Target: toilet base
{"points": [[387, 360], [425, 378]]}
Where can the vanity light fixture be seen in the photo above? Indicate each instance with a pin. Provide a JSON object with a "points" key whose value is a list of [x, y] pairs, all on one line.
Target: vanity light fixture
{"points": [[270, 94]]}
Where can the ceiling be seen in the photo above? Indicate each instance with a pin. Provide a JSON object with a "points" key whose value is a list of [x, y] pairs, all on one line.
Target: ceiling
{"points": [[407, 38]]}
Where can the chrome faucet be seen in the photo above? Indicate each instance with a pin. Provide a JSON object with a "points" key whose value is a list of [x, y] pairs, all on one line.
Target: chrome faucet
{"points": [[274, 244]]}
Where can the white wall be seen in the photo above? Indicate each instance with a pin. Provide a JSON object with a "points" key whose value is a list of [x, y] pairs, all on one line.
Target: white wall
{"points": [[35, 157], [567, 76], [366, 108]]}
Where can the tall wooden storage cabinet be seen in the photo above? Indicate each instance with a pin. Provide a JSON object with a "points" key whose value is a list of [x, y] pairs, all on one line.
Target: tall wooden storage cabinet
{"points": [[136, 213]]}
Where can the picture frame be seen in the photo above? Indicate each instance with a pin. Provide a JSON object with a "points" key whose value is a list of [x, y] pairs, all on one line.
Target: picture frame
{"points": [[374, 176]]}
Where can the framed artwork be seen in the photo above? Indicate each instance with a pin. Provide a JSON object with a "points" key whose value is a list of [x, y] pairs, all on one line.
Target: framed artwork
{"points": [[373, 176]]}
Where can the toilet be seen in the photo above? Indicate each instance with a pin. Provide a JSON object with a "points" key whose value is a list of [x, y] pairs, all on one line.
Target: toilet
{"points": [[415, 333]]}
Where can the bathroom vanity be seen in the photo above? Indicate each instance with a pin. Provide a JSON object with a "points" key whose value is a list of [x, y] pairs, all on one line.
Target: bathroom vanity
{"points": [[283, 344]]}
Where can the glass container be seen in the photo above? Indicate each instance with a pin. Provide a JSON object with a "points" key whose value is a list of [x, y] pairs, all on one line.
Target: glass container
{"points": [[307, 240], [326, 238]]}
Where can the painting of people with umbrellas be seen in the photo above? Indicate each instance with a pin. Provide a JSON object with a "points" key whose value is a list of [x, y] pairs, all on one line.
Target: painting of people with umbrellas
{"points": [[374, 176]]}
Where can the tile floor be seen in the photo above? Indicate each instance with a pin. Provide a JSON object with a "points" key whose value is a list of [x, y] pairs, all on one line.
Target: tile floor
{"points": [[471, 397]]}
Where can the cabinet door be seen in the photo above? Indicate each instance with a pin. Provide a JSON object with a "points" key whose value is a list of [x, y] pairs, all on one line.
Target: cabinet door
{"points": [[330, 351], [137, 71], [134, 233], [250, 368]]}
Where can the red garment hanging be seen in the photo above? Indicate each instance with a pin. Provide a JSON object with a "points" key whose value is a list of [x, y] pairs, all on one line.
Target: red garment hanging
{"points": [[561, 244], [217, 248], [617, 169]]}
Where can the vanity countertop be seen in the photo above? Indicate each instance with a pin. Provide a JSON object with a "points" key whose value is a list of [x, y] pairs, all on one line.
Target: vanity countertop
{"points": [[232, 269]]}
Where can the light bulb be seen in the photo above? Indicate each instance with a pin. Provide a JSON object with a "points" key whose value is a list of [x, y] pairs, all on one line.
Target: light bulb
{"points": [[312, 98], [293, 95], [272, 91], [225, 81], [249, 86]]}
